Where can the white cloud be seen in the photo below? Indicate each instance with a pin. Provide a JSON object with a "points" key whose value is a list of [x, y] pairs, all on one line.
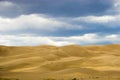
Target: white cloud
{"points": [[107, 20], [97, 19], [114, 38], [19, 40], [34, 21], [90, 38]]}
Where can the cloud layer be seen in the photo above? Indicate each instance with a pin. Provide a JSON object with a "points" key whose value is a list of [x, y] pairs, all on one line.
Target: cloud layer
{"points": [[34, 21], [39, 22], [47, 23], [91, 38]]}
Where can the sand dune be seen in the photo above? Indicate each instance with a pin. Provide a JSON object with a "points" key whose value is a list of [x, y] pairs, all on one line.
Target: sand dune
{"points": [[66, 60]]}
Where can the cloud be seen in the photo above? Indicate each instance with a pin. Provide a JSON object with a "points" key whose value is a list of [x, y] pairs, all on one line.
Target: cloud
{"points": [[110, 18], [111, 21], [114, 38], [78, 16], [116, 7], [9, 9], [64, 8], [90, 38], [97, 19], [40, 23], [35, 21], [21, 40], [6, 5]]}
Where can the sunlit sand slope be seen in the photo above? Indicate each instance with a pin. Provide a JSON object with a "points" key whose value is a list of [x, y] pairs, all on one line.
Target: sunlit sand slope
{"points": [[67, 60]]}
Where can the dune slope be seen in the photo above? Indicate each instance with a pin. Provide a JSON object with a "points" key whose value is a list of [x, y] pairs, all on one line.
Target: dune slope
{"points": [[66, 60]]}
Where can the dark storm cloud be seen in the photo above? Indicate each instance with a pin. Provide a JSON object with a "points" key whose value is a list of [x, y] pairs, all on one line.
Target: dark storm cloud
{"points": [[64, 7], [9, 9]]}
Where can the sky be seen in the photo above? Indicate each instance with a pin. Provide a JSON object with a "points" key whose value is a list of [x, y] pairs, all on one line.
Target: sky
{"points": [[59, 22]]}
